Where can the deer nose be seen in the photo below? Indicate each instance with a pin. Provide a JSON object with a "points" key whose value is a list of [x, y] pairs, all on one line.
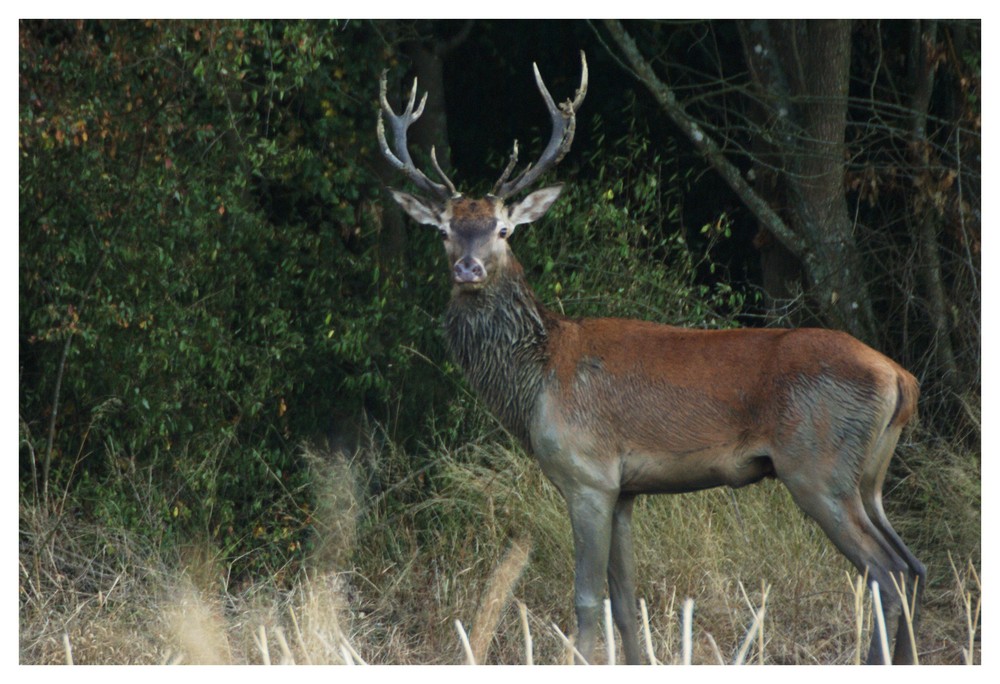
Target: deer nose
{"points": [[468, 270]]}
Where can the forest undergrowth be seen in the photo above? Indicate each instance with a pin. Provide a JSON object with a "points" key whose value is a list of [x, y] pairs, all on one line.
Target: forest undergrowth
{"points": [[479, 571]]}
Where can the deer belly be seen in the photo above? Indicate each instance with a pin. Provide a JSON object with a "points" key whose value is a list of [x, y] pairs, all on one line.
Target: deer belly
{"points": [[704, 468], [616, 456]]}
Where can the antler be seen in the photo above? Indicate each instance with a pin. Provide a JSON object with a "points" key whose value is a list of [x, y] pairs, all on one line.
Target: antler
{"points": [[563, 129], [400, 156]]}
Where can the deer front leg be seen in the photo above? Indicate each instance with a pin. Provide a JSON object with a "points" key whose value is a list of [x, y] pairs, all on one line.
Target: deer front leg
{"points": [[621, 579], [591, 512]]}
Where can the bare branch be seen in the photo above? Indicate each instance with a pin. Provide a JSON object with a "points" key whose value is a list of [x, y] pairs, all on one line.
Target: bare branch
{"points": [[705, 143]]}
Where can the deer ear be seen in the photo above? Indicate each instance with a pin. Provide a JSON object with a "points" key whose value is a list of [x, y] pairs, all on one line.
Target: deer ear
{"points": [[534, 206], [420, 210]]}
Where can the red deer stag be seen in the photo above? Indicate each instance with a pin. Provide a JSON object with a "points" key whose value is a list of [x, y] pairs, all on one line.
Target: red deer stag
{"points": [[614, 408]]}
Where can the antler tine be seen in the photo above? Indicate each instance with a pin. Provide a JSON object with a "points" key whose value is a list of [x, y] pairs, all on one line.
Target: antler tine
{"points": [[581, 92], [399, 156], [563, 130], [440, 172], [506, 172]]}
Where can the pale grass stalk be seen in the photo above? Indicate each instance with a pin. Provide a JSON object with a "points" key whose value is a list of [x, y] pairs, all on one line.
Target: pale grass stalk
{"points": [[883, 636], [570, 648], [715, 649], [975, 576], [609, 632], [498, 593], [286, 653], [647, 635], [971, 615], [756, 628], [686, 631], [968, 652], [907, 602], [858, 588], [68, 649], [470, 659], [343, 645], [741, 654], [327, 645], [765, 589], [346, 645], [671, 626], [529, 658], [298, 636], [973, 620], [260, 638]]}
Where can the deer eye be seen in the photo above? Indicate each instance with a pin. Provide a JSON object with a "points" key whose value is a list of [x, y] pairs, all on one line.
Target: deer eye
{"points": [[444, 233], [503, 232]]}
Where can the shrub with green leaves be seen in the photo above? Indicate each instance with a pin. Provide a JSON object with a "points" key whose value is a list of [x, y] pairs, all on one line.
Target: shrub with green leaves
{"points": [[206, 281], [200, 286]]}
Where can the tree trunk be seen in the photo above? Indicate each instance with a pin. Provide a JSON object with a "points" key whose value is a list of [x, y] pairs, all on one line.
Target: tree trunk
{"points": [[800, 70], [927, 217]]}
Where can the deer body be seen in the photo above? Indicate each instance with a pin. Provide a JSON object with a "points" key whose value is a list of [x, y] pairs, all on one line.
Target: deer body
{"points": [[613, 408]]}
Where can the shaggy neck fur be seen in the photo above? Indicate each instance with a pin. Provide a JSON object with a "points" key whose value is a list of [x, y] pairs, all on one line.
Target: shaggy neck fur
{"points": [[498, 336]]}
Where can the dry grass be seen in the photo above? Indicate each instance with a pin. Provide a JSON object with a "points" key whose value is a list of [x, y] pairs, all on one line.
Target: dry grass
{"points": [[394, 577], [496, 598]]}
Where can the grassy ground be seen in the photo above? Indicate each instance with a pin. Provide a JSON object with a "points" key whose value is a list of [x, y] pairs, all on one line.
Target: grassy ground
{"points": [[491, 549]]}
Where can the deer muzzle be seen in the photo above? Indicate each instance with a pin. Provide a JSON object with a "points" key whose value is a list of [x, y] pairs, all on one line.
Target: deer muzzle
{"points": [[468, 271]]}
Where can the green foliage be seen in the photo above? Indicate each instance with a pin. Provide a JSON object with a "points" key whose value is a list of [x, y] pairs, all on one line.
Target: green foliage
{"points": [[198, 230], [614, 245], [202, 236]]}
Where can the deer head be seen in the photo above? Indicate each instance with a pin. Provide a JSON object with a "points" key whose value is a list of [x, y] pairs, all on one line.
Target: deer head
{"points": [[475, 230]]}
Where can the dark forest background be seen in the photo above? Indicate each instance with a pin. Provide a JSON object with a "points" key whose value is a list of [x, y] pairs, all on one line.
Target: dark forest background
{"points": [[211, 274]]}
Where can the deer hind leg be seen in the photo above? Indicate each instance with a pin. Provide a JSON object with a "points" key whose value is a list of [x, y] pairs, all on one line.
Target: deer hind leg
{"points": [[845, 521], [872, 479], [621, 579], [835, 451]]}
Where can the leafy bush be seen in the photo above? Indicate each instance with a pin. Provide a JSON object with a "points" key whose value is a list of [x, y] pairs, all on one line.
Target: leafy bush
{"points": [[200, 282], [615, 245], [206, 280]]}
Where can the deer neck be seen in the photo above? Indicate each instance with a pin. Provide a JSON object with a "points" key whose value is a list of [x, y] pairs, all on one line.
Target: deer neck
{"points": [[498, 336]]}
